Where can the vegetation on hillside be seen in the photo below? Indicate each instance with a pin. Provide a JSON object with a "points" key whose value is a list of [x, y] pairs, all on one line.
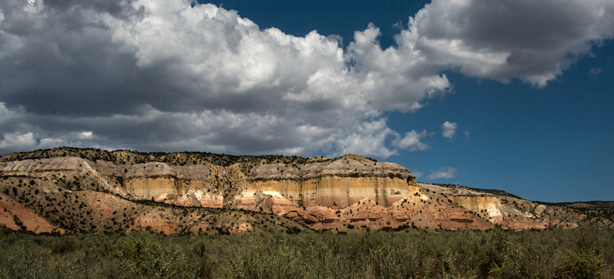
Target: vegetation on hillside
{"points": [[73, 207], [582, 253], [487, 191], [135, 157], [597, 212]]}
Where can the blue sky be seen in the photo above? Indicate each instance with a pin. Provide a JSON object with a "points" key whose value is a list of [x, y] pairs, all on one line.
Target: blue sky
{"points": [[554, 143], [510, 95]]}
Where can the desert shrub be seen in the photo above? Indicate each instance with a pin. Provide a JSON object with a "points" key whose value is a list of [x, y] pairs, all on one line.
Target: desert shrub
{"points": [[581, 253], [579, 265], [142, 257], [389, 261]]}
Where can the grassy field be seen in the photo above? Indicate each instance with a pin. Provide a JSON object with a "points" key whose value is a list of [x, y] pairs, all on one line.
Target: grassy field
{"points": [[581, 253]]}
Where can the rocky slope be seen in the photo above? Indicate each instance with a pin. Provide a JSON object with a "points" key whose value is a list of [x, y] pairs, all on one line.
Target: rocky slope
{"points": [[75, 190]]}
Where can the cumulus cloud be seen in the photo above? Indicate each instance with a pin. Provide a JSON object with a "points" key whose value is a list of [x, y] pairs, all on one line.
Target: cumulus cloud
{"points": [[531, 40], [369, 139], [168, 75], [176, 75], [449, 129], [445, 172], [411, 141], [18, 141]]}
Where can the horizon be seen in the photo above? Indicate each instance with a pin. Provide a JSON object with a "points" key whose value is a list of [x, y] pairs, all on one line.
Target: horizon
{"points": [[513, 96]]}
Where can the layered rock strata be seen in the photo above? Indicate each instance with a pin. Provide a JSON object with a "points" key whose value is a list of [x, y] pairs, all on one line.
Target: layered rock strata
{"points": [[505, 211], [348, 193], [336, 184], [181, 185]]}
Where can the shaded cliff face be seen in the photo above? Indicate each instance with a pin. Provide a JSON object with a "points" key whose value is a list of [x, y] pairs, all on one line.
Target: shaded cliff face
{"points": [[74, 190]]}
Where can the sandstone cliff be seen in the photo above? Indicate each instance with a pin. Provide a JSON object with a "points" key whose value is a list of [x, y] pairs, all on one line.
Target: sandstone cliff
{"points": [[68, 189], [336, 184]]}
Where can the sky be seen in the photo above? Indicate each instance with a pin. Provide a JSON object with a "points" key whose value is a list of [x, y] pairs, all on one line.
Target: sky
{"points": [[500, 94]]}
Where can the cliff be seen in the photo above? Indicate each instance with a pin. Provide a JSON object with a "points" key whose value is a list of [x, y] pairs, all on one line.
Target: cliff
{"points": [[335, 184], [72, 190]]}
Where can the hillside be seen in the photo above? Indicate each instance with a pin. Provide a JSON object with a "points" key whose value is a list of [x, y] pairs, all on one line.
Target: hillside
{"points": [[90, 190]]}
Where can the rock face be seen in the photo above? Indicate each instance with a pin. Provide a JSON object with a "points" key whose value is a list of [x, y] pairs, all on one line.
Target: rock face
{"points": [[182, 185], [507, 212], [150, 180], [74, 190], [336, 184]]}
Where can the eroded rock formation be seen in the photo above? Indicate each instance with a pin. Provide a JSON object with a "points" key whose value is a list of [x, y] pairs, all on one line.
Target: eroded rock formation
{"points": [[88, 190], [336, 184]]}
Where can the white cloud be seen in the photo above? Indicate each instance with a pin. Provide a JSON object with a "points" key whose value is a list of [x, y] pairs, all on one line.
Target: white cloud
{"points": [[165, 75], [86, 135], [445, 172], [411, 141], [169, 75], [370, 139], [449, 129], [18, 141], [499, 39]]}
